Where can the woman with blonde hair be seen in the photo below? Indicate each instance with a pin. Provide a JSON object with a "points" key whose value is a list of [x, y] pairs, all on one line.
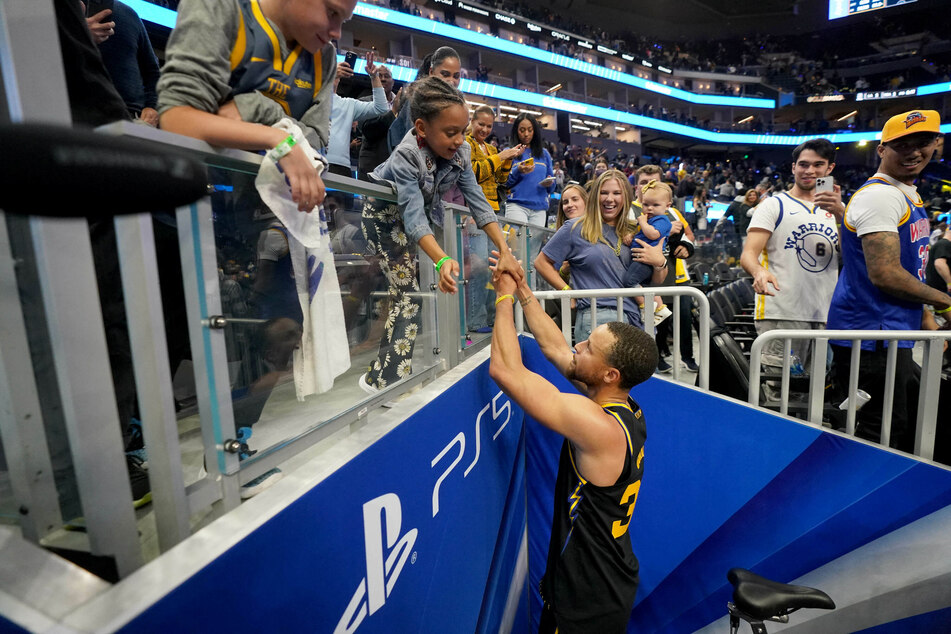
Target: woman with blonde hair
{"points": [[593, 245], [574, 197]]}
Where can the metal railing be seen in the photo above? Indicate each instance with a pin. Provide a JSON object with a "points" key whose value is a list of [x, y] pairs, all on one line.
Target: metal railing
{"points": [[927, 414], [703, 306]]}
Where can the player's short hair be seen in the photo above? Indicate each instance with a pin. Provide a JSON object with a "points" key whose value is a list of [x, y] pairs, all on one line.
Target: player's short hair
{"points": [[822, 147], [634, 354]]}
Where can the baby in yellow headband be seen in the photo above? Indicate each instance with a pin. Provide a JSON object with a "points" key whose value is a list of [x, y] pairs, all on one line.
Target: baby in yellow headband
{"points": [[654, 226], [656, 198]]}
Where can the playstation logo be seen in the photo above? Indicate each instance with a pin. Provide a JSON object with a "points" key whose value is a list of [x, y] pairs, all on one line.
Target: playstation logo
{"points": [[382, 521]]}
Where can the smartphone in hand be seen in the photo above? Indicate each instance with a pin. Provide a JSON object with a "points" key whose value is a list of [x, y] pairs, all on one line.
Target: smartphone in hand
{"points": [[351, 59], [97, 6], [825, 184]]}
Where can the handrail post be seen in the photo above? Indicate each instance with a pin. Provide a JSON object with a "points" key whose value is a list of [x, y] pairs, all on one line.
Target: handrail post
{"points": [[926, 420]]}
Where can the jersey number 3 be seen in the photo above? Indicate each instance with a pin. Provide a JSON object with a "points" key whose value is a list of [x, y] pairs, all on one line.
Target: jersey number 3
{"points": [[619, 528]]}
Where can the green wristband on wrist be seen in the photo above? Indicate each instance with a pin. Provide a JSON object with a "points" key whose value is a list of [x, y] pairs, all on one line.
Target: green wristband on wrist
{"points": [[942, 311], [282, 149], [441, 262]]}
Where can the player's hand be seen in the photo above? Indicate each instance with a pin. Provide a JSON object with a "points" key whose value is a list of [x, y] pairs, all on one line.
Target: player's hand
{"points": [[682, 252], [831, 202], [448, 273], [98, 27], [761, 281], [307, 188], [504, 283], [508, 264]]}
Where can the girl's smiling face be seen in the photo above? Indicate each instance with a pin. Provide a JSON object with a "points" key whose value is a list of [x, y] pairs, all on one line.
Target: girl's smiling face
{"points": [[445, 132]]}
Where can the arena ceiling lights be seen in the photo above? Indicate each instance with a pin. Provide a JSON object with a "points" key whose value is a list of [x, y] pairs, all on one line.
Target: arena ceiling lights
{"points": [[372, 12], [166, 17], [584, 112]]}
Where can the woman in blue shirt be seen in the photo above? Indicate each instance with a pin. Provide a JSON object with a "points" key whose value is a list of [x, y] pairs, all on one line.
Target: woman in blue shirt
{"points": [[594, 247], [532, 179]]}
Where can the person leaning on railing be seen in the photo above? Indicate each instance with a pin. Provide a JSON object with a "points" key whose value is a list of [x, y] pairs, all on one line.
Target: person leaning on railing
{"points": [[884, 245], [211, 89], [431, 158]]}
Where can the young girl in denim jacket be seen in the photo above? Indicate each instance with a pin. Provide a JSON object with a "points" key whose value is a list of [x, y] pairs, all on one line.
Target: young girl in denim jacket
{"points": [[431, 158]]}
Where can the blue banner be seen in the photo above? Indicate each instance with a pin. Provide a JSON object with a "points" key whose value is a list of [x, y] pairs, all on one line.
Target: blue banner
{"points": [[421, 529]]}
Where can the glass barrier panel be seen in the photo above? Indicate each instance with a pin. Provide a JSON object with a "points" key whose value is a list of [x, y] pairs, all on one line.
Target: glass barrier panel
{"points": [[382, 309], [479, 314]]}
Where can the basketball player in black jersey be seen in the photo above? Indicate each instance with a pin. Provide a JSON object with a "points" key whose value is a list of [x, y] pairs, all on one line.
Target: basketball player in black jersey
{"points": [[591, 577]]}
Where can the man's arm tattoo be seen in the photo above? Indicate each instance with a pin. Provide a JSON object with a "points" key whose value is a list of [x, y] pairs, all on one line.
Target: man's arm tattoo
{"points": [[883, 262]]}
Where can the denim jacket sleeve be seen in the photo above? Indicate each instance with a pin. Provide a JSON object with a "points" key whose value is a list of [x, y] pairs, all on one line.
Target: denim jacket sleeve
{"points": [[405, 171], [472, 191]]}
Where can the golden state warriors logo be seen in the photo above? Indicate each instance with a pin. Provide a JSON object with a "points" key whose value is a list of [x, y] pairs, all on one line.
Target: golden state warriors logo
{"points": [[814, 245], [913, 118]]}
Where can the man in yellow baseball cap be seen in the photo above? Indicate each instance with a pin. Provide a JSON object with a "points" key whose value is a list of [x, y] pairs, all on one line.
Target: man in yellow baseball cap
{"points": [[884, 241], [912, 122]]}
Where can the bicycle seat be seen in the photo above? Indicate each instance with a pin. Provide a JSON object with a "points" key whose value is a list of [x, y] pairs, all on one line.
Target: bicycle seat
{"points": [[764, 599]]}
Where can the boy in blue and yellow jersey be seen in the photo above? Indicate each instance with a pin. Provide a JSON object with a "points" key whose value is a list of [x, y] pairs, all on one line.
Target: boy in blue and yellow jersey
{"points": [[881, 286], [591, 576], [236, 67]]}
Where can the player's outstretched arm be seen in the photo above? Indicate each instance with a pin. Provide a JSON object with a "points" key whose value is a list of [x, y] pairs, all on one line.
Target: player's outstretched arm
{"points": [[577, 418], [548, 335]]}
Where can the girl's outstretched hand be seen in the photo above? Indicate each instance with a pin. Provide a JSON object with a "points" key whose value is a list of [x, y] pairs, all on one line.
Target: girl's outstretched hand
{"points": [[448, 274]]}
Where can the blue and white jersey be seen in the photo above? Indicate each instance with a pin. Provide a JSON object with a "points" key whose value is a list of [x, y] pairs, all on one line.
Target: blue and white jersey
{"points": [[801, 253], [857, 304]]}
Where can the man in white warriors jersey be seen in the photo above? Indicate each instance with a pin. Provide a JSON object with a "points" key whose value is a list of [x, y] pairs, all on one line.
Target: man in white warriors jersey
{"points": [[791, 246]]}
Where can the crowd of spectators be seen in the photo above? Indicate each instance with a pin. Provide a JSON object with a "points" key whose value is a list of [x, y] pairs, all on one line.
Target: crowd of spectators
{"points": [[785, 62]]}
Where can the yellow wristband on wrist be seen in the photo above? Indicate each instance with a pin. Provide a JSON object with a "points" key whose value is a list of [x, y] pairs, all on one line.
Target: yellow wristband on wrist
{"points": [[567, 287], [942, 311], [501, 297]]}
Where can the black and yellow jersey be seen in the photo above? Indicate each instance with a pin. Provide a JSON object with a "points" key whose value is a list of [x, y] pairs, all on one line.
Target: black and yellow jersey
{"points": [[592, 573]]}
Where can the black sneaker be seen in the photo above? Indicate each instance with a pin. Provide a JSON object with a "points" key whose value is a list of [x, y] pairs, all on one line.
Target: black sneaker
{"points": [[139, 479], [691, 365], [663, 367]]}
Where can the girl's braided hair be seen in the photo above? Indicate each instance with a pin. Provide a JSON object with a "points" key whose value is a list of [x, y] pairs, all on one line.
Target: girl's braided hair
{"points": [[430, 96]]}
